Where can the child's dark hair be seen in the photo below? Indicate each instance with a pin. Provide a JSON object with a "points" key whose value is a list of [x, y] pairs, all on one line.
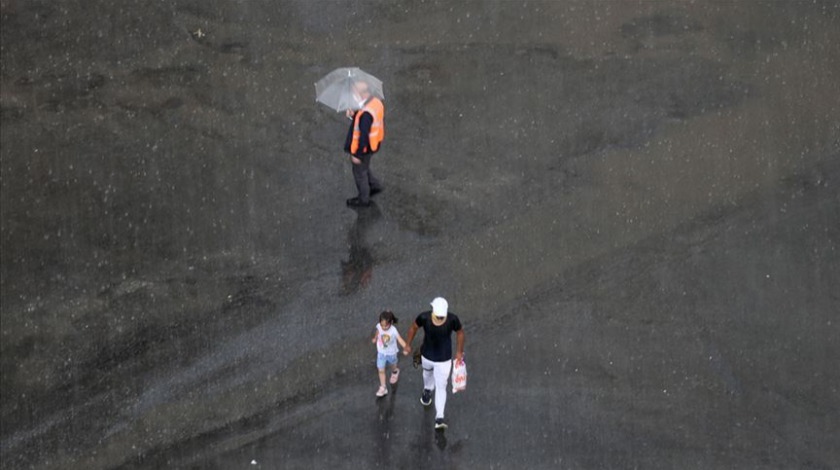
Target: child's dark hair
{"points": [[388, 316]]}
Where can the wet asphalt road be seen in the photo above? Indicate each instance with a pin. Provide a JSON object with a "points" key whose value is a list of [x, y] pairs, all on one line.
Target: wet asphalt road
{"points": [[633, 207]]}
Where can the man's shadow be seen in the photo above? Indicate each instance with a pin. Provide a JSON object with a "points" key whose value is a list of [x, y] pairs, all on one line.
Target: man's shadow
{"points": [[429, 438], [357, 271]]}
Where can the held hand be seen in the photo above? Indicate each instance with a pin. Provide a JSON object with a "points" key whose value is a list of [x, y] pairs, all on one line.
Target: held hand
{"points": [[406, 350], [459, 358], [349, 113]]}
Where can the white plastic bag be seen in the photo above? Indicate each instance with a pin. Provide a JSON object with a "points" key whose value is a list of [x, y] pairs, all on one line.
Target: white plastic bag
{"points": [[459, 376]]}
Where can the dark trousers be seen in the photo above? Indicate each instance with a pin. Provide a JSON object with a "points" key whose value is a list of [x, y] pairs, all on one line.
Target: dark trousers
{"points": [[365, 181]]}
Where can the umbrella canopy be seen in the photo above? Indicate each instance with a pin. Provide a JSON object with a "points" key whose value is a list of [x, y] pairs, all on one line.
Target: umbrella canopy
{"points": [[336, 88]]}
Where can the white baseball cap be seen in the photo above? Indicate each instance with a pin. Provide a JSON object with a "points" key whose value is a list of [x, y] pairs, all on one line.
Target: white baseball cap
{"points": [[439, 307]]}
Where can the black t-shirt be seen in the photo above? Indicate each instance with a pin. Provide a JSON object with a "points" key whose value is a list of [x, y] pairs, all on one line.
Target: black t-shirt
{"points": [[437, 340]]}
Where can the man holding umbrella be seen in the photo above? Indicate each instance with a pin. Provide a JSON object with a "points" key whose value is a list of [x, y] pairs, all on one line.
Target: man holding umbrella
{"points": [[364, 138], [358, 94]]}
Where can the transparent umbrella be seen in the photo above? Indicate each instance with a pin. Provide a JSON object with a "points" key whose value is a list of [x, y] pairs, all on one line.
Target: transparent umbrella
{"points": [[336, 88]]}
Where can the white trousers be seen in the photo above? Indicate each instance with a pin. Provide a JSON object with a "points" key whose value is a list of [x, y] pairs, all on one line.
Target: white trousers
{"points": [[435, 377]]}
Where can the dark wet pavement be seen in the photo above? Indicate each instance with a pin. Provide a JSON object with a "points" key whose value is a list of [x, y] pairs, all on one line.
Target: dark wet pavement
{"points": [[633, 207]]}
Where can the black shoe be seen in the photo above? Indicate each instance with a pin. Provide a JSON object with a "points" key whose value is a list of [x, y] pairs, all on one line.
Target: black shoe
{"points": [[356, 202], [426, 398], [374, 191], [440, 424]]}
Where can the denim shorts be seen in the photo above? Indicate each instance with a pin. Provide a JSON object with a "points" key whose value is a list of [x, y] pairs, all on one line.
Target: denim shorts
{"points": [[383, 360]]}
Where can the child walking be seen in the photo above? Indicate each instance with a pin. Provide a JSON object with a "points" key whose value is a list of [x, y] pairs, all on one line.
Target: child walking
{"points": [[386, 338]]}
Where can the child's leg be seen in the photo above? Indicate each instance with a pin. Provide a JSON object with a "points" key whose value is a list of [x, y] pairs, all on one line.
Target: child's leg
{"points": [[380, 366], [395, 372]]}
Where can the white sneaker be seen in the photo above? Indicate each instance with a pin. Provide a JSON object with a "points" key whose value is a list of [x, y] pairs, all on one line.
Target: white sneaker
{"points": [[381, 392]]}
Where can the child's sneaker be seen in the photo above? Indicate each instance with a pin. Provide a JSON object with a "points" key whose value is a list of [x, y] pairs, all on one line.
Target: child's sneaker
{"points": [[381, 392], [440, 424], [395, 375]]}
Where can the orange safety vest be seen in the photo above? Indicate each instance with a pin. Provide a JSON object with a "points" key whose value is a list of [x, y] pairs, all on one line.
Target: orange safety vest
{"points": [[376, 109]]}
